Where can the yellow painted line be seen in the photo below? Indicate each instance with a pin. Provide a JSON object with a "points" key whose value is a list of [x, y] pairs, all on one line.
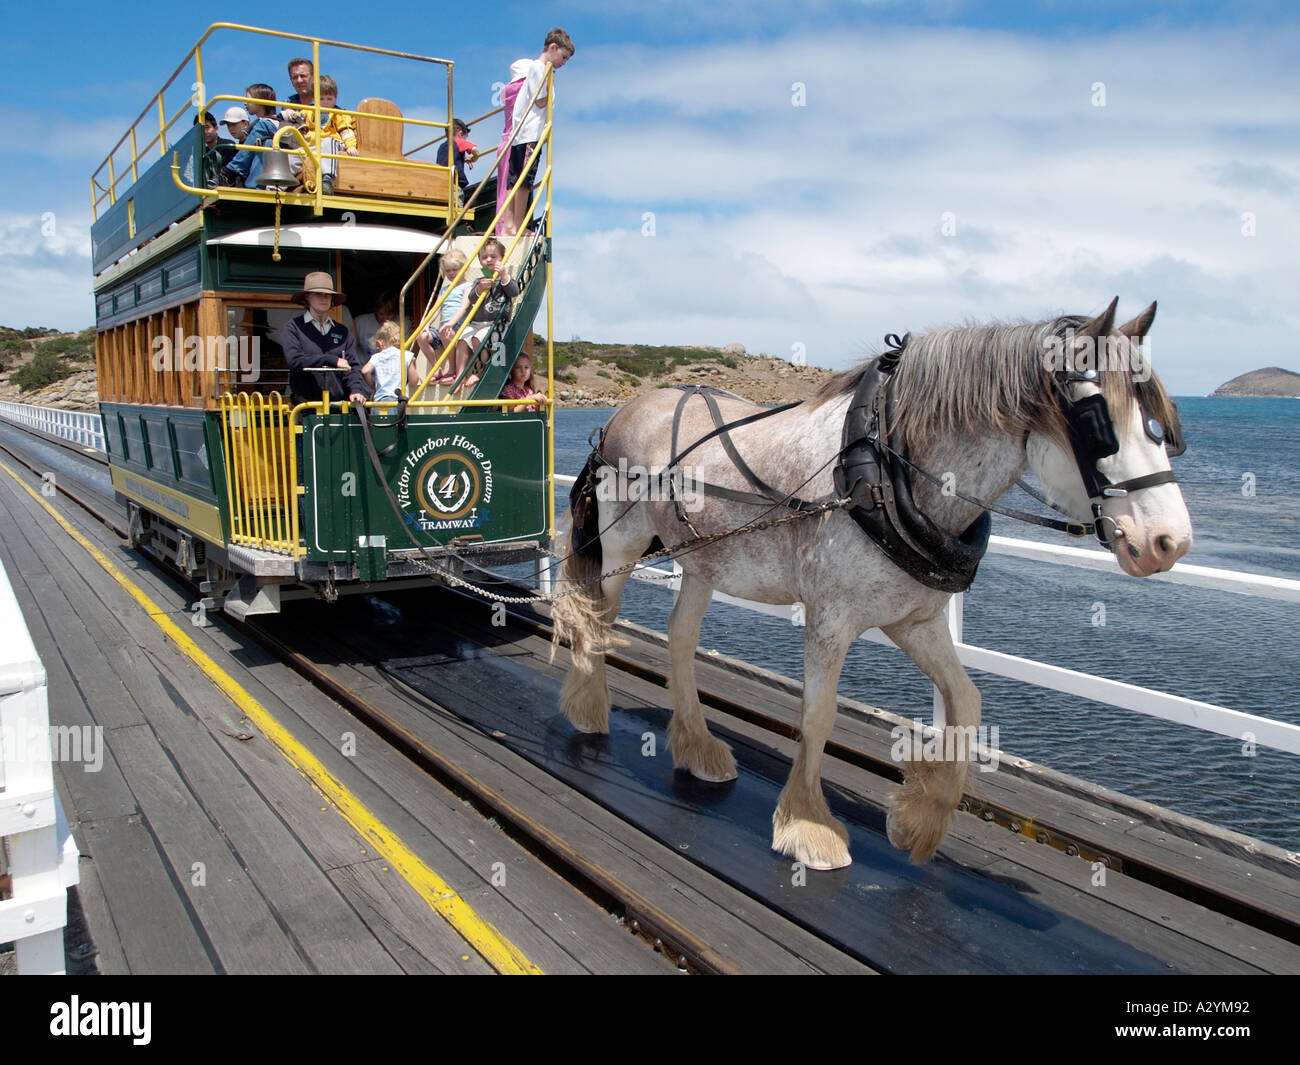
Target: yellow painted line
{"points": [[495, 949]]}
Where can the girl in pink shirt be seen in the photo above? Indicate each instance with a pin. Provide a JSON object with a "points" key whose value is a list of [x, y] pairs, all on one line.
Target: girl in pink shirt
{"points": [[521, 386]]}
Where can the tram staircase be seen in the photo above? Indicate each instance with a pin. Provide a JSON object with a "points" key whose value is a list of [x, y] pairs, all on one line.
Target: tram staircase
{"points": [[495, 355]]}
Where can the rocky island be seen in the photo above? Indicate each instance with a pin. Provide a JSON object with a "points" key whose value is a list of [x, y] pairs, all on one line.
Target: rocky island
{"points": [[1273, 381]]}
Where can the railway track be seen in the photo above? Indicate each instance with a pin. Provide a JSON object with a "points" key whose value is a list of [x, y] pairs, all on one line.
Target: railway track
{"points": [[863, 746]]}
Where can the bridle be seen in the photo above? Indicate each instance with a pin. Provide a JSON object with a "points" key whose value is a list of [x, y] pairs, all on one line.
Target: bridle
{"points": [[1092, 438]]}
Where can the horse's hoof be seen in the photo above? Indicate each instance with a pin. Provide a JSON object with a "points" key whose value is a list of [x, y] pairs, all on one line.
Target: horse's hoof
{"points": [[815, 845], [920, 838], [714, 778], [706, 759]]}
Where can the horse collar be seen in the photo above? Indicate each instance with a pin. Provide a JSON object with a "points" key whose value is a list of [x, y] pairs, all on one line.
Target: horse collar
{"points": [[870, 473]]}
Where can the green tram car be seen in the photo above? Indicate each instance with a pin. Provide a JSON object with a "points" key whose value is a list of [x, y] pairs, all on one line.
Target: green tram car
{"points": [[222, 475]]}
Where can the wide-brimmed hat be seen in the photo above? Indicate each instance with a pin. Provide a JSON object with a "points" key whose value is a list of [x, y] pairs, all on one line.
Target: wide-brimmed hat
{"points": [[318, 281]]}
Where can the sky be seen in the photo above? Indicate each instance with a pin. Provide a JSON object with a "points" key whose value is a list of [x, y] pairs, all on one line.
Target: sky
{"points": [[800, 179]]}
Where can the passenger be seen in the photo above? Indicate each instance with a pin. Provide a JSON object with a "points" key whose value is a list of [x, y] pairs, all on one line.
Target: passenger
{"points": [[500, 286], [315, 339], [449, 316], [339, 133], [301, 74], [247, 165], [521, 384], [212, 158], [466, 151], [367, 324], [384, 370], [557, 50]]}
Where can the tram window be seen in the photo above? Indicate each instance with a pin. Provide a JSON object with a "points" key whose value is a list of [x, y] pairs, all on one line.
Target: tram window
{"points": [[132, 439], [160, 449], [192, 451], [254, 358]]}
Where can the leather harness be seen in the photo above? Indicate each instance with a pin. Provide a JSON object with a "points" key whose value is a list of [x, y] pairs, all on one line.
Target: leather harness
{"points": [[870, 476]]}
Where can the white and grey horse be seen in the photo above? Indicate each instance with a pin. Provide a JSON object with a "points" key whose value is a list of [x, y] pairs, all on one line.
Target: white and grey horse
{"points": [[979, 404]]}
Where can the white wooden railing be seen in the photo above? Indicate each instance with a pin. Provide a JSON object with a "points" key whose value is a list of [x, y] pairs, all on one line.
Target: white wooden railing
{"points": [[1149, 701], [79, 426], [42, 856]]}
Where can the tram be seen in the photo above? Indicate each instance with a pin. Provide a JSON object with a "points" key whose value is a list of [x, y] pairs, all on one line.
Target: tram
{"points": [[244, 488]]}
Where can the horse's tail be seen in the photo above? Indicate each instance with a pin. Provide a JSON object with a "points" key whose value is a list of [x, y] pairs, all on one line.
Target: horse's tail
{"points": [[579, 617]]}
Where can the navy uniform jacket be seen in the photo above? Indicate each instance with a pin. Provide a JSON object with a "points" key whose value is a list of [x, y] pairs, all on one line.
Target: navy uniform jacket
{"points": [[304, 345]]}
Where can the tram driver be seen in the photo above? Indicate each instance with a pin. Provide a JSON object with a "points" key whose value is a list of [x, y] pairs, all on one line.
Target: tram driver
{"points": [[314, 339]]}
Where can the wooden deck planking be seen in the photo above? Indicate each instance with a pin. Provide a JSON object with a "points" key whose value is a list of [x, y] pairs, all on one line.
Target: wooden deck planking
{"points": [[556, 927], [737, 926], [1078, 809], [397, 907]]}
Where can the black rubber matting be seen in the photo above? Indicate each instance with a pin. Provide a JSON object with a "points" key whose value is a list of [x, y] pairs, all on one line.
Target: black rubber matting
{"points": [[896, 917]]}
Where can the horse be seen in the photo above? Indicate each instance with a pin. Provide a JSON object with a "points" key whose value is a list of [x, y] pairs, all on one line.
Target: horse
{"points": [[980, 403]]}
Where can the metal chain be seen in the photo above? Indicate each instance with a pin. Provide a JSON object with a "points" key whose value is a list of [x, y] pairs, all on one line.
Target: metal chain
{"points": [[684, 547]]}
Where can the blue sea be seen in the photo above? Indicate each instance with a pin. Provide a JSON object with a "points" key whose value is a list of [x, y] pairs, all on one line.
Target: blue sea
{"points": [[1240, 477]]}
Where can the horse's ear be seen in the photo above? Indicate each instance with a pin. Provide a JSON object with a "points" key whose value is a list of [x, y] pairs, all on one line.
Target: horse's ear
{"points": [[1101, 325], [1140, 326]]}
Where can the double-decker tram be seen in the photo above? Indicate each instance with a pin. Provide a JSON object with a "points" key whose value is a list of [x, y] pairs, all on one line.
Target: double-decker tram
{"points": [[248, 464]]}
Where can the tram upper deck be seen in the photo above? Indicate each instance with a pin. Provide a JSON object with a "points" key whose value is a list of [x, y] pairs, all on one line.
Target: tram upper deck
{"points": [[194, 280]]}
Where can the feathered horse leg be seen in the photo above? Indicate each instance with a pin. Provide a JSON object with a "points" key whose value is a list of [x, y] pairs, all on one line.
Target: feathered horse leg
{"points": [[932, 788]]}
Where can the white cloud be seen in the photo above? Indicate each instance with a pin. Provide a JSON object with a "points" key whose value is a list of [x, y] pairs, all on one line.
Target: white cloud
{"points": [[937, 176]]}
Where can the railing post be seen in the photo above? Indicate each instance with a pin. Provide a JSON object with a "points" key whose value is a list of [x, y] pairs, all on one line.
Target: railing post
{"points": [[42, 857], [953, 612]]}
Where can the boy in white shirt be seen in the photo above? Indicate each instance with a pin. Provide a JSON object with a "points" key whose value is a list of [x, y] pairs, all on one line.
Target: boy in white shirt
{"points": [[528, 122]]}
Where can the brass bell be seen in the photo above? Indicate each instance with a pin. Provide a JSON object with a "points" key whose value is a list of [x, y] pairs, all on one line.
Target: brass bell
{"points": [[276, 173]]}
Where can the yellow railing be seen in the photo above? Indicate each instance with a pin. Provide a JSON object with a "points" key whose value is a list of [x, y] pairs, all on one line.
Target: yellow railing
{"points": [[107, 184], [435, 304], [261, 471]]}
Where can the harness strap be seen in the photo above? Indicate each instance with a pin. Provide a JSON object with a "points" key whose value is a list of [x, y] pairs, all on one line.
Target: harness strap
{"points": [[769, 495], [1134, 484]]}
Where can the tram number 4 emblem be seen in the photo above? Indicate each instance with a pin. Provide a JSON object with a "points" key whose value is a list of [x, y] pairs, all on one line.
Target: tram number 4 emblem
{"points": [[449, 486], [448, 480]]}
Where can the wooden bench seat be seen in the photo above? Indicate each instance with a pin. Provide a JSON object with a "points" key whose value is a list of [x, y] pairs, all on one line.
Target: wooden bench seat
{"points": [[377, 139]]}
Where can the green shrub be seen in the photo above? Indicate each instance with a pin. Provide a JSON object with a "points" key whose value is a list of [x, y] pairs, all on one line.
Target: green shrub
{"points": [[44, 369]]}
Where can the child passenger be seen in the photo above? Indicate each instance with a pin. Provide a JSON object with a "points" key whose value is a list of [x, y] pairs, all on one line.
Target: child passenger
{"points": [[339, 134], [384, 370], [499, 286], [521, 384], [449, 316]]}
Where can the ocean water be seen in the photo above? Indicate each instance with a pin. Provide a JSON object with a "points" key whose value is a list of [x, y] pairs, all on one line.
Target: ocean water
{"points": [[1240, 478]]}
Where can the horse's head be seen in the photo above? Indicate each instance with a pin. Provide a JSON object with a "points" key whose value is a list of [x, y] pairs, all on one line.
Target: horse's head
{"points": [[1106, 458]]}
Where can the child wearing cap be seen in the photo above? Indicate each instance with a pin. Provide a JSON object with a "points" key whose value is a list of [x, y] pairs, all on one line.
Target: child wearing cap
{"points": [[466, 151], [244, 168]]}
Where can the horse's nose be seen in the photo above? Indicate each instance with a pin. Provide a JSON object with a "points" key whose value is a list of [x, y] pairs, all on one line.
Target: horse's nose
{"points": [[1168, 548]]}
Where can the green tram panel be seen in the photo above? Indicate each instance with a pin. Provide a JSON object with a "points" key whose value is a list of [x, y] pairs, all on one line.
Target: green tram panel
{"points": [[474, 478]]}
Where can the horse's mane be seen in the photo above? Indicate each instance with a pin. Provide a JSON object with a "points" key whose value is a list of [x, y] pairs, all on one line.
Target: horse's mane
{"points": [[968, 380]]}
